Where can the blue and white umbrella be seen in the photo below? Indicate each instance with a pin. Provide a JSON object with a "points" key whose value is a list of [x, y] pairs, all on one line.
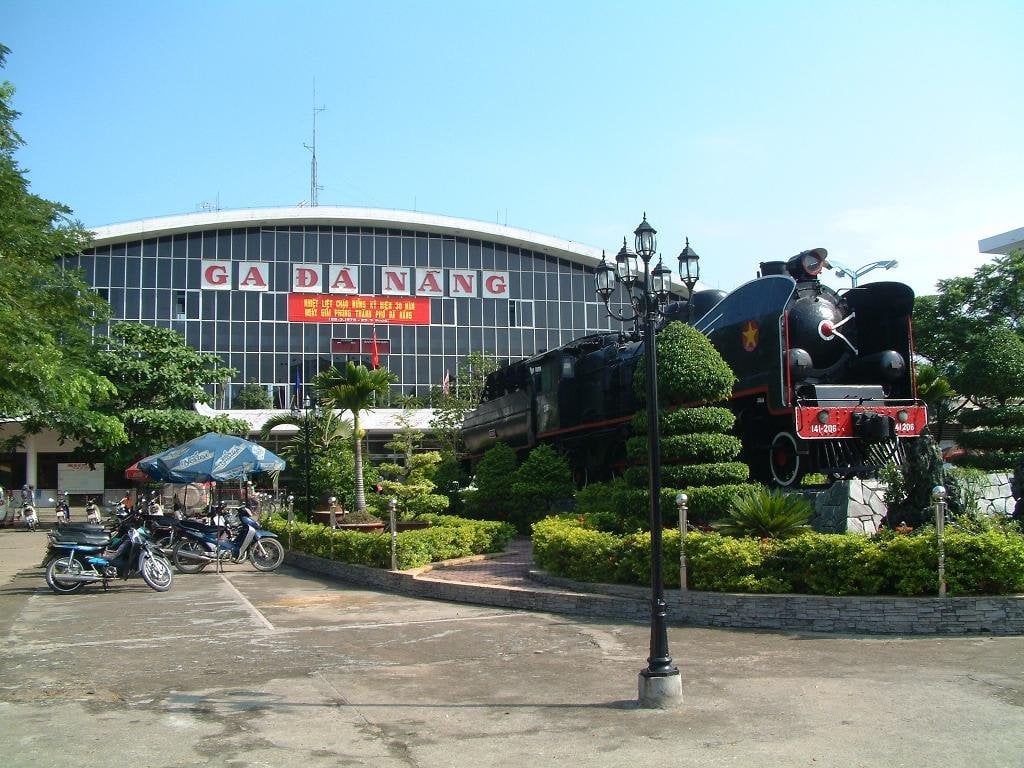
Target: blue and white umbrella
{"points": [[211, 457]]}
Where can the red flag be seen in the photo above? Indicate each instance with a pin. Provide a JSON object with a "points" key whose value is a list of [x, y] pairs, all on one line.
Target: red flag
{"points": [[374, 354]]}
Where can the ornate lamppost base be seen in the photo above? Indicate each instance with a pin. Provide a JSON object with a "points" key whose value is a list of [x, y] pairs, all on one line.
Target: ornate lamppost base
{"points": [[660, 691]]}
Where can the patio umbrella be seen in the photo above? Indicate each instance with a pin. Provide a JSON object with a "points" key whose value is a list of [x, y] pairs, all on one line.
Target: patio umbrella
{"points": [[211, 457], [137, 475]]}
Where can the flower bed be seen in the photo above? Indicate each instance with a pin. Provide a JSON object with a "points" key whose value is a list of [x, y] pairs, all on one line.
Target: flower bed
{"points": [[990, 563], [448, 537]]}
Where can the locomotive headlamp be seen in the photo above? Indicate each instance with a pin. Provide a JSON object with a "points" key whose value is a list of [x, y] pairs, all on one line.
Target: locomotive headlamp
{"points": [[903, 417], [646, 242], [823, 416], [813, 261], [659, 281]]}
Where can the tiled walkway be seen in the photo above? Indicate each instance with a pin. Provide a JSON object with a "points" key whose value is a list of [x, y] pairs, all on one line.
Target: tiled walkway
{"points": [[508, 569]]}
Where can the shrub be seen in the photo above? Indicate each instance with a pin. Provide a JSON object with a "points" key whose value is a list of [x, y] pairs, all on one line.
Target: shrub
{"points": [[999, 416], [542, 481], [689, 368], [491, 499], [828, 564], [686, 420], [763, 513], [695, 447], [449, 537]]}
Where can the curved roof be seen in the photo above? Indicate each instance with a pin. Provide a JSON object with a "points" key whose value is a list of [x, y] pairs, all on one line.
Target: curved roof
{"points": [[349, 217]]}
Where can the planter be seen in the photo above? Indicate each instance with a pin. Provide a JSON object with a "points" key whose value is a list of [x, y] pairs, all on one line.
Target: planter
{"points": [[412, 525], [360, 527]]}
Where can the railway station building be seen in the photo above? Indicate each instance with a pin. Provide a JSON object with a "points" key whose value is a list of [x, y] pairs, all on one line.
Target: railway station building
{"points": [[282, 293]]}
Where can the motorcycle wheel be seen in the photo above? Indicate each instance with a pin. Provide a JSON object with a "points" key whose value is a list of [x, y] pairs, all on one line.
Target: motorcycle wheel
{"points": [[164, 545], [266, 554], [61, 566], [181, 558], [156, 572]]}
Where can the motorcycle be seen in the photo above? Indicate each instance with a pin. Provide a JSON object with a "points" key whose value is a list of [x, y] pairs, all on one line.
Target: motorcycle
{"points": [[89, 557], [204, 544], [63, 511], [92, 512], [28, 516]]}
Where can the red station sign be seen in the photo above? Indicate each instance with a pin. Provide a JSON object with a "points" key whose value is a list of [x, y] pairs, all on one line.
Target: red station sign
{"points": [[370, 310]]}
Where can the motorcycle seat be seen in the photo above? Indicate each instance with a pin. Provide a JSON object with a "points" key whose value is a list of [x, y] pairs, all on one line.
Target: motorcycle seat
{"points": [[84, 527], [163, 521], [78, 537], [194, 525]]}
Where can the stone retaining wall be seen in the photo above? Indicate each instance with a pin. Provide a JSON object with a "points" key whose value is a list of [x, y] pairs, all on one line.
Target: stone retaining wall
{"points": [[797, 613]]}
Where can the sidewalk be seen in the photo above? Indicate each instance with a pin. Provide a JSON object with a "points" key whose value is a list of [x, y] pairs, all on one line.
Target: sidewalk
{"points": [[20, 550]]}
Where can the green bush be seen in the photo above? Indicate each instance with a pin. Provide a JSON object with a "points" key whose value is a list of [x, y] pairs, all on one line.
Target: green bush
{"points": [[999, 416], [684, 421], [812, 563], [997, 461], [449, 537], [697, 446], [763, 513], [491, 499], [689, 368], [541, 482], [688, 475]]}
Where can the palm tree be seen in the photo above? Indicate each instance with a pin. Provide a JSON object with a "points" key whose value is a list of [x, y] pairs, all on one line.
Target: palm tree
{"points": [[354, 389], [324, 429]]}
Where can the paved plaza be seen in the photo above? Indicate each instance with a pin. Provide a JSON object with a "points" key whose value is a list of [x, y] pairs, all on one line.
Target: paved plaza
{"points": [[292, 669]]}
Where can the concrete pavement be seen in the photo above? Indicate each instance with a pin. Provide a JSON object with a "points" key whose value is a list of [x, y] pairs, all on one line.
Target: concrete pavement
{"points": [[290, 669]]}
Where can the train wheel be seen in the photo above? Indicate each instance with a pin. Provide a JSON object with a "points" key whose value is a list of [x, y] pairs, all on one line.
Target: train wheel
{"points": [[784, 460]]}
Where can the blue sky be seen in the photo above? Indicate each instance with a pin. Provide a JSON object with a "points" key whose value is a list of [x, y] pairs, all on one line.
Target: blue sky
{"points": [[757, 129]]}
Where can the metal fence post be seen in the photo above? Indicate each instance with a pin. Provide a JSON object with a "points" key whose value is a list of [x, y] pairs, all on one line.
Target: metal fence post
{"points": [[681, 501], [939, 497], [392, 506], [291, 518]]}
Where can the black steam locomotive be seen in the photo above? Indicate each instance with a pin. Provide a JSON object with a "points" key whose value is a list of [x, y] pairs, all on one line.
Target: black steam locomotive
{"points": [[824, 380]]}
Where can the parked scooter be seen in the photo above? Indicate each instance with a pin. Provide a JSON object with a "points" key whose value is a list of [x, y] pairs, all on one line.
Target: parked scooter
{"points": [[204, 544], [63, 509], [86, 560], [92, 512], [28, 516]]}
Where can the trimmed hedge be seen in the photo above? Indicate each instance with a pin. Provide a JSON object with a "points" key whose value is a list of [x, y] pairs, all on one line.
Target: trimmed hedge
{"points": [[997, 461], [689, 368], [993, 439], [687, 475], [1003, 415], [686, 420], [706, 447], [813, 563], [449, 537]]}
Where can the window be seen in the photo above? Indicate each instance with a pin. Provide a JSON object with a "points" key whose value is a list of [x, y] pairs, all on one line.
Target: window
{"points": [[179, 305], [520, 313]]}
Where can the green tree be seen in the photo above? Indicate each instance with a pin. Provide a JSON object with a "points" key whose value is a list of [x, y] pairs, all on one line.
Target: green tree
{"points": [[491, 500], [331, 457], [252, 396], [542, 481], [353, 389], [463, 395], [966, 309], [158, 380], [46, 312], [411, 479]]}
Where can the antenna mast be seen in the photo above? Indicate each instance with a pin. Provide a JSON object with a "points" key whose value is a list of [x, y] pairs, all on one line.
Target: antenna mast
{"points": [[314, 188]]}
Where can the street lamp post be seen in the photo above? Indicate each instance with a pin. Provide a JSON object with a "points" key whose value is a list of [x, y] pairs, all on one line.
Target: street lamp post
{"points": [[689, 271], [306, 452], [660, 684], [856, 274]]}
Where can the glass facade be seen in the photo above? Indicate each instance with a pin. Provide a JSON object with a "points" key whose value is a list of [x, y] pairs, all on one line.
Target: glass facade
{"points": [[550, 300]]}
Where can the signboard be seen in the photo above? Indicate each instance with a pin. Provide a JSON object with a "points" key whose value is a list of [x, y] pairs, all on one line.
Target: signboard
{"points": [[360, 346], [80, 478], [373, 310]]}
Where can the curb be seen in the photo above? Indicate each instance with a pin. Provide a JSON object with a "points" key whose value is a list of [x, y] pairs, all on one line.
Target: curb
{"points": [[874, 615]]}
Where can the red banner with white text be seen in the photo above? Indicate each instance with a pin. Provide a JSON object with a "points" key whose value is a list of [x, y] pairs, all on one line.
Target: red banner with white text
{"points": [[384, 310]]}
